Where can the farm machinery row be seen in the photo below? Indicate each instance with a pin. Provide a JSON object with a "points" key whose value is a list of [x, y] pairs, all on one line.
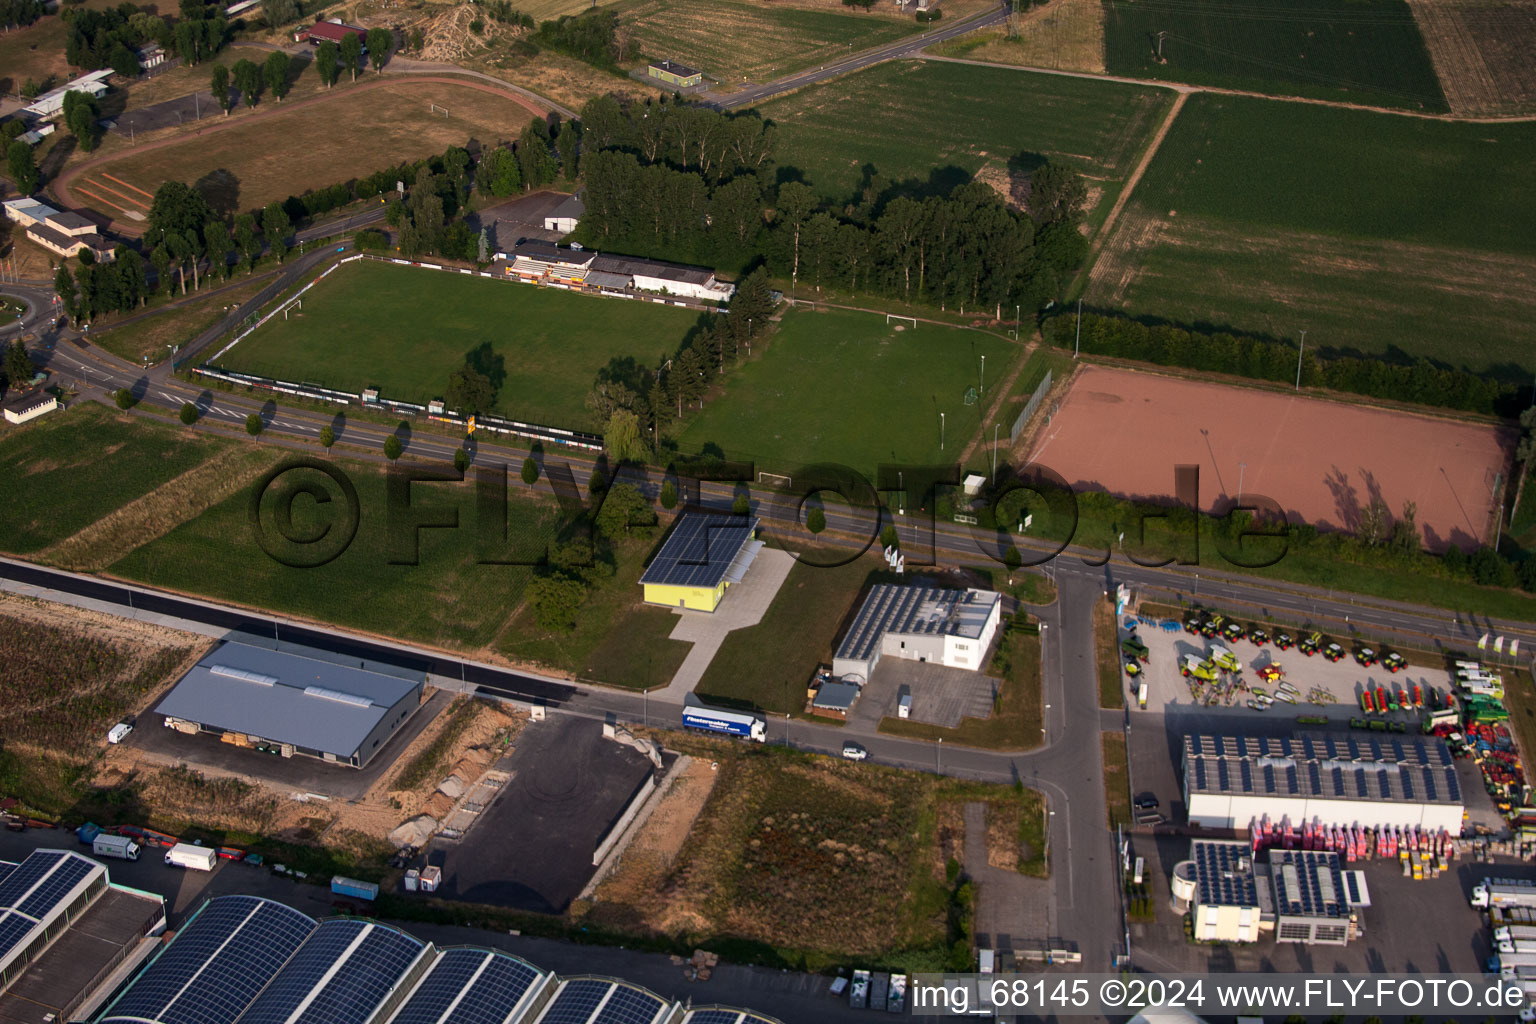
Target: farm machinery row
{"points": [[1215, 626]]}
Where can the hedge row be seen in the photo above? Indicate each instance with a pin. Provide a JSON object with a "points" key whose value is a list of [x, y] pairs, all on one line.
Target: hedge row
{"points": [[1422, 382]]}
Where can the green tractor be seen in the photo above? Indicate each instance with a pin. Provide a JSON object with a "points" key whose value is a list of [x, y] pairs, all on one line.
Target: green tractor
{"points": [[1133, 648], [1193, 667]]}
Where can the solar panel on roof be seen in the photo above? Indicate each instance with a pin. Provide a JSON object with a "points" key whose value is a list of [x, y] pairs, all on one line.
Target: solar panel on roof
{"points": [[340, 975], [576, 1001], [52, 890], [27, 874], [629, 1006], [714, 1017], [13, 929], [487, 986], [699, 550], [218, 963]]}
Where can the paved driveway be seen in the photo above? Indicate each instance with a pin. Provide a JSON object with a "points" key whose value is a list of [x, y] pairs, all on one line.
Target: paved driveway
{"points": [[744, 605]]}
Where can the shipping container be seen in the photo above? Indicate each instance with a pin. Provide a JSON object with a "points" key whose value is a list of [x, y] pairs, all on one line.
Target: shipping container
{"points": [[343, 886]]}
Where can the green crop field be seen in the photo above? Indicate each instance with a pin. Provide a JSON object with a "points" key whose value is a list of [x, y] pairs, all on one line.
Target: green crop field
{"points": [[731, 41], [405, 330], [844, 387], [941, 123], [1376, 233], [68, 469], [1360, 51], [449, 598]]}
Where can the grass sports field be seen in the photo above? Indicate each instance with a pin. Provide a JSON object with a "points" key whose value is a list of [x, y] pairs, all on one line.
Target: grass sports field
{"points": [[1375, 233], [405, 330], [442, 600], [352, 131], [845, 387], [69, 469], [732, 41], [1360, 51], [913, 120]]}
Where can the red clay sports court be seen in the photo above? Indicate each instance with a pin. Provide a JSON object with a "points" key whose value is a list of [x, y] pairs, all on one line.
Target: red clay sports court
{"points": [[1123, 431]]}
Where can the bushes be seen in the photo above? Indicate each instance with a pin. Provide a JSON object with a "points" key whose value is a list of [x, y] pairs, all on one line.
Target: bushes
{"points": [[371, 240], [924, 17], [1422, 382]]}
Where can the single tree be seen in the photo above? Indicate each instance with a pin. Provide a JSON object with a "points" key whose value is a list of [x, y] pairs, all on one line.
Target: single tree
{"points": [[888, 537], [188, 413], [417, 40], [124, 398], [469, 390], [246, 241], [279, 12], [18, 366], [815, 520], [247, 77], [742, 506], [253, 424], [64, 286], [1012, 559], [80, 114], [328, 63], [327, 436], [460, 459], [669, 496], [276, 73], [275, 225], [597, 483], [216, 238], [392, 448], [622, 438], [220, 88], [123, 62], [23, 166], [530, 471], [567, 143], [351, 52], [624, 508], [379, 42]]}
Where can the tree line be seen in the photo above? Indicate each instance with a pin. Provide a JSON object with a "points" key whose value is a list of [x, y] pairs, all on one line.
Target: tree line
{"points": [[107, 38], [1421, 381], [680, 181], [19, 13]]}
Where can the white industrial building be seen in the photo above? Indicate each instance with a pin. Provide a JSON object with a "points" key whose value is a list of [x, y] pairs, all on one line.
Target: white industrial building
{"points": [[566, 216], [919, 622], [1370, 780], [29, 406], [51, 104], [1235, 895]]}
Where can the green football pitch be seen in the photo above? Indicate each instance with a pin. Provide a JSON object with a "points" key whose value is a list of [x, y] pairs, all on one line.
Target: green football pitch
{"points": [[847, 387], [404, 330]]}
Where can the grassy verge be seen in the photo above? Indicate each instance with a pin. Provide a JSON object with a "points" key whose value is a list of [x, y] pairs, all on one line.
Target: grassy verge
{"points": [[1117, 781], [152, 336], [70, 469], [1017, 712], [768, 666], [433, 758], [617, 639], [1520, 701], [1106, 649]]}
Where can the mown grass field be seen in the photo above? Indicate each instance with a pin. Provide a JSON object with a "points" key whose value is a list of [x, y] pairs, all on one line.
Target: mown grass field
{"points": [[405, 330], [845, 387], [154, 335], [70, 468], [1377, 234], [449, 599], [348, 132], [929, 122], [731, 41], [1359, 51]]}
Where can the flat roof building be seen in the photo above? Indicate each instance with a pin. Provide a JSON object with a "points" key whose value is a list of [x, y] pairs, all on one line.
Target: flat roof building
{"points": [[1336, 779], [703, 556], [566, 216], [1220, 887], [547, 263], [921, 622], [64, 929], [250, 960], [835, 697], [29, 406], [51, 104], [673, 73], [1312, 901], [302, 702]]}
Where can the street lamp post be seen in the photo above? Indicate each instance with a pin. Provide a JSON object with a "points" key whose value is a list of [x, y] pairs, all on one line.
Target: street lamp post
{"points": [[941, 431], [1299, 351], [1242, 467], [995, 427], [938, 757], [645, 708], [901, 502], [981, 383]]}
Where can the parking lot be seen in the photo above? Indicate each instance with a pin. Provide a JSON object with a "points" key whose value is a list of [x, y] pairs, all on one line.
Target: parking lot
{"points": [[1320, 686], [941, 695]]}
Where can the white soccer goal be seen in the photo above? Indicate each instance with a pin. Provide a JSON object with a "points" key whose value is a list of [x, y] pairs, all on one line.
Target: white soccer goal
{"points": [[773, 479], [897, 316], [433, 108]]}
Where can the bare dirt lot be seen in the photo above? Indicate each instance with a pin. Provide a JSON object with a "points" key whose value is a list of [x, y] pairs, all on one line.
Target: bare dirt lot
{"points": [[1322, 462], [1482, 52]]}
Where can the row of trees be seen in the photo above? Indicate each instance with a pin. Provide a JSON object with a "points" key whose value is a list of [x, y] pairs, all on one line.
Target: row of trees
{"points": [[537, 159], [19, 13], [680, 135], [594, 36], [636, 404], [1421, 381], [96, 288]]}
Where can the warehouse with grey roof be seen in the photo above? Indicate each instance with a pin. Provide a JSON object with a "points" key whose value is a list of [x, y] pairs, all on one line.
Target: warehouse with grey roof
{"points": [[301, 703], [920, 622], [1335, 779]]}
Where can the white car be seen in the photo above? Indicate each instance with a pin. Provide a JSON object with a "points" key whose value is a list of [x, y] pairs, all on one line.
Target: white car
{"points": [[854, 752], [119, 732]]}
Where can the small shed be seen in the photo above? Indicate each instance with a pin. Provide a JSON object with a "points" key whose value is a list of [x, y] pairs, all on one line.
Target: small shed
{"points": [[30, 406], [673, 73], [835, 698]]}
